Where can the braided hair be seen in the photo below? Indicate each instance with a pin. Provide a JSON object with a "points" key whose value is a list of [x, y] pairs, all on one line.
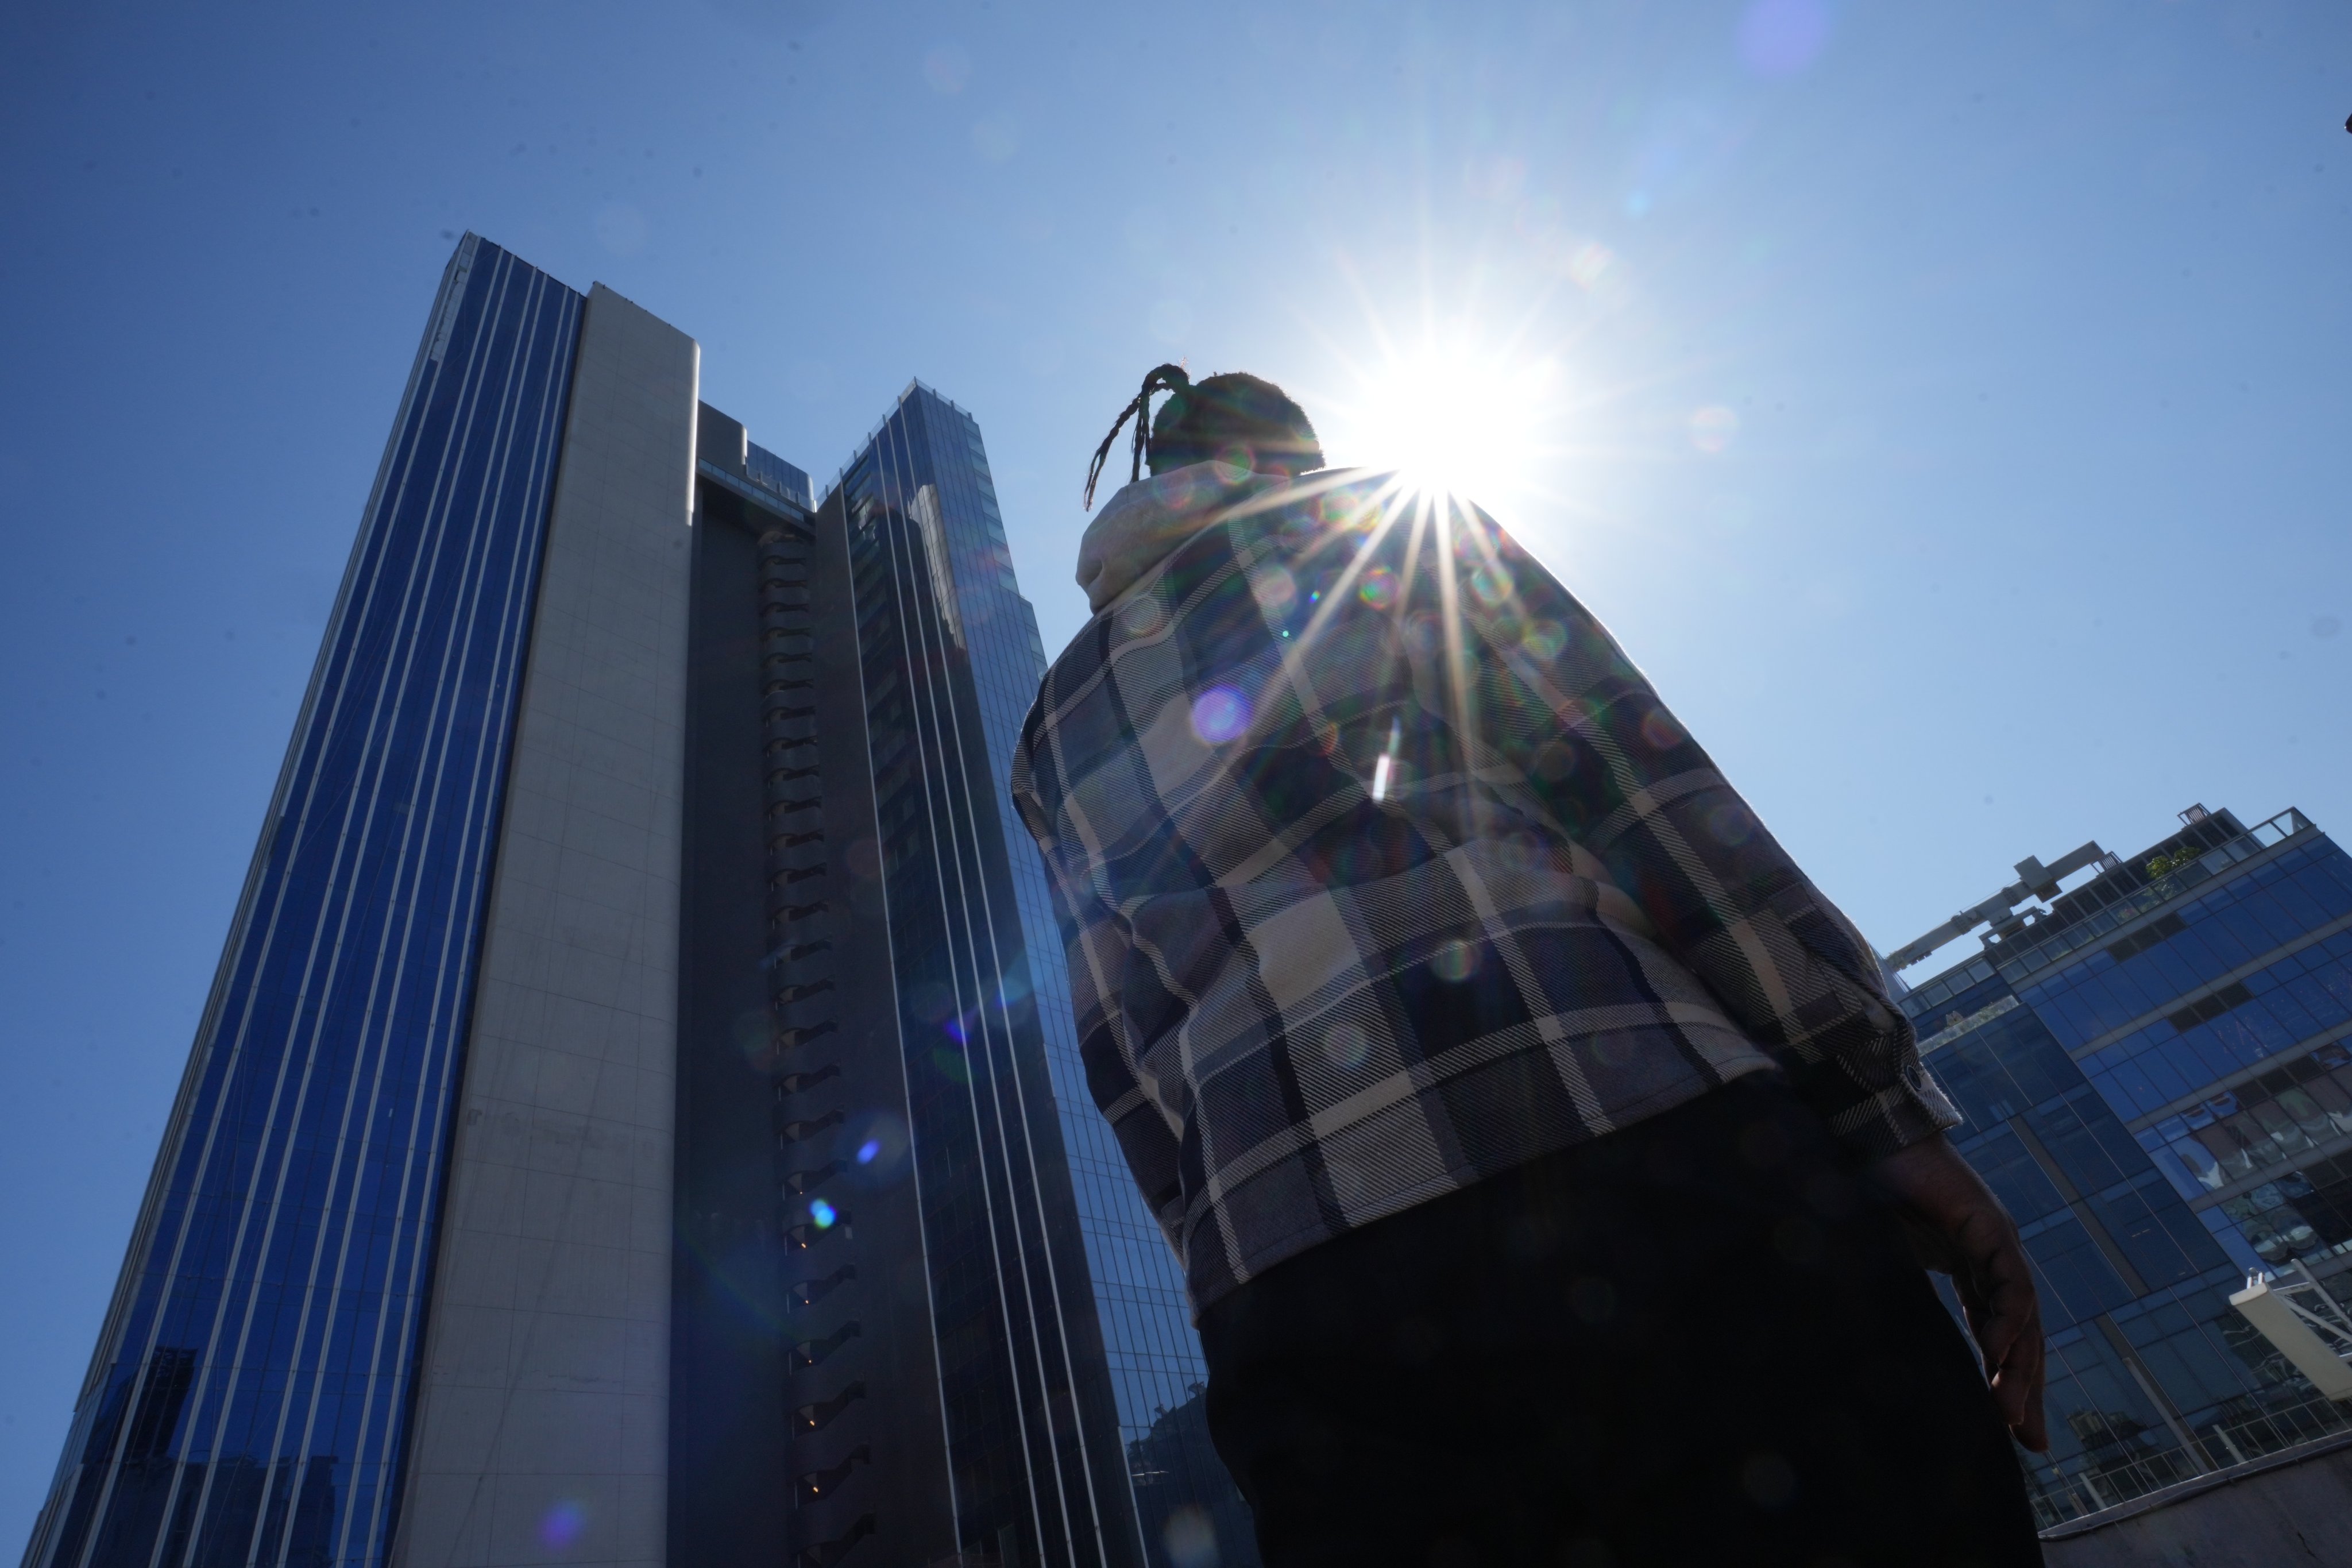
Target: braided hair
{"points": [[1160, 378], [1232, 415]]}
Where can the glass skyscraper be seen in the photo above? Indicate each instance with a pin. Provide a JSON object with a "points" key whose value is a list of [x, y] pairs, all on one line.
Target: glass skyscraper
{"points": [[636, 1119], [2155, 1073], [920, 509], [252, 1387]]}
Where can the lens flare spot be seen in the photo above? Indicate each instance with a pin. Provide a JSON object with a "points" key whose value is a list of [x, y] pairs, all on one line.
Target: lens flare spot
{"points": [[1544, 640], [1143, 617], [1275, 589], [1345, 1045], [872, 1146], [1660, 733], [995, 138], [1781, 38], [824, 1213], [1344, 509], [1492, 582], [1218, 714], [1556, 762], [1379, 588], [1713, 428], [1454, 961], [562, 1525], [1384, 771], [1190, 1538], [947, 69], [1588, 263], [621, 228], [1730, 825]]}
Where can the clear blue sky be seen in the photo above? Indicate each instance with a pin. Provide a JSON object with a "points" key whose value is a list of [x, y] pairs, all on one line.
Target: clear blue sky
{"points": [[1948, 402]]}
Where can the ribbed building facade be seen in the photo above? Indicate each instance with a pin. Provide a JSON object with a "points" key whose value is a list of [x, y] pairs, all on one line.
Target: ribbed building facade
{"points": [[635, 1120]]}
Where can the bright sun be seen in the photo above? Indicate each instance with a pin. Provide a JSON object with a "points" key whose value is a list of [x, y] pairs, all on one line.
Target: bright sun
{"points": [[1454, 420]]}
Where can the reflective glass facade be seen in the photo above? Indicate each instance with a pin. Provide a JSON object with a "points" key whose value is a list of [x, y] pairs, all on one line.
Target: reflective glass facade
{"points": [[2156, 1083], [953, 664], [769, 472], [1030, 1442], [389, 1298], [248, 1401]]}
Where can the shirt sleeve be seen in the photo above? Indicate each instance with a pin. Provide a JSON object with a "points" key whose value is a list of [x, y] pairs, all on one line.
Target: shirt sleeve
{"points": [[1095, 941], [1623, 778]]}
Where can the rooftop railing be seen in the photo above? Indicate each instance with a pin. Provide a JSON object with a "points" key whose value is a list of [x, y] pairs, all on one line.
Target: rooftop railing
{"points": [[2016, 960], [770, 472], [2092, 1483], [917, 385]]}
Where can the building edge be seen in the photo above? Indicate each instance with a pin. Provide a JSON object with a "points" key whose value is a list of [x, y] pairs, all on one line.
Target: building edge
{"points": [[176, 1120], [540, 1361]]}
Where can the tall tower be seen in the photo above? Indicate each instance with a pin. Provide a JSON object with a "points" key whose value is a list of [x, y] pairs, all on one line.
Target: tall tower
{"points": [[953, 662], [635, 1119]]}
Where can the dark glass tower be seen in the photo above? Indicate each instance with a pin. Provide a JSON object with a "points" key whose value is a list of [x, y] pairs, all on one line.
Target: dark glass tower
{"points": [[2155, 1080], [921, 510], [981, 1322], [636, 1119]]}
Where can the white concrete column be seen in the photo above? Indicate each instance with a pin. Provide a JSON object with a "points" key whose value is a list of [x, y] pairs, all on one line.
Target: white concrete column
{"points": [[542, 1427]]}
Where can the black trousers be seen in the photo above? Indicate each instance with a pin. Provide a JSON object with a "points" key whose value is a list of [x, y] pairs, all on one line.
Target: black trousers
{"points": [[1699, 1341]]}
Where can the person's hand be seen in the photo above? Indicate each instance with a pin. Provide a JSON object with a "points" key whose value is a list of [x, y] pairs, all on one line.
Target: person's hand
{"points": [[1958, 1227]]}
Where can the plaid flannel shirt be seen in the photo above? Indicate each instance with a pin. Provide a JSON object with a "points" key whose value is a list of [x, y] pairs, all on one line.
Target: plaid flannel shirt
{"points": [[1382, 869]]}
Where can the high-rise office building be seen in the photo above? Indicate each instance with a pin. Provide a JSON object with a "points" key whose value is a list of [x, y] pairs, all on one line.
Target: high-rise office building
{"points": [[635, 1121], [2155, 1073], [917, 505]]}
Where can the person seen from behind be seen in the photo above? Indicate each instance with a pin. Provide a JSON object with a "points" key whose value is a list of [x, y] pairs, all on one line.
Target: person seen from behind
{"points": [[1551, 1175]]}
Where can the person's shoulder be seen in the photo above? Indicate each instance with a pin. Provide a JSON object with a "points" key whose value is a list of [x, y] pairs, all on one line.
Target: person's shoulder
{"points": [[1080, 659], [1307, 511], [1327, 495]]}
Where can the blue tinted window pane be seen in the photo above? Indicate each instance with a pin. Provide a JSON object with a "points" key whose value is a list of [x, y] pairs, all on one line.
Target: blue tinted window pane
{"points": [[2158, 1236], [254, 1390], [2007, 1167], [944, 623], [2077, 1281]]}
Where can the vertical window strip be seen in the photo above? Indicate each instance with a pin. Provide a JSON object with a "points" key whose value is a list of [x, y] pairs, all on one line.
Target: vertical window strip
{"points": [[920, 675], [996, 1016], [514, 330]]}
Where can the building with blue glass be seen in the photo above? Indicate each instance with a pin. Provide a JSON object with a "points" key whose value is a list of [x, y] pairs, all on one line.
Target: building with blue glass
{"points": [[2155, 1073], [952, 666], [633, 1121]]}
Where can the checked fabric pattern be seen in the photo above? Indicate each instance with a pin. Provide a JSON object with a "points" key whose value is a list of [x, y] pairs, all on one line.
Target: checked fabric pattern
{"points": [[1382, 869]]}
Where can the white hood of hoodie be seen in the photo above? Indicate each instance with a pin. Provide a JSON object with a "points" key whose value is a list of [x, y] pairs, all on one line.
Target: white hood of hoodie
{"points": [[1142, 524]]}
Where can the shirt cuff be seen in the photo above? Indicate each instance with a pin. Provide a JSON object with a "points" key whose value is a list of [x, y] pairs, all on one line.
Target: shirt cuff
{"points": [[1909, 1111]]}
